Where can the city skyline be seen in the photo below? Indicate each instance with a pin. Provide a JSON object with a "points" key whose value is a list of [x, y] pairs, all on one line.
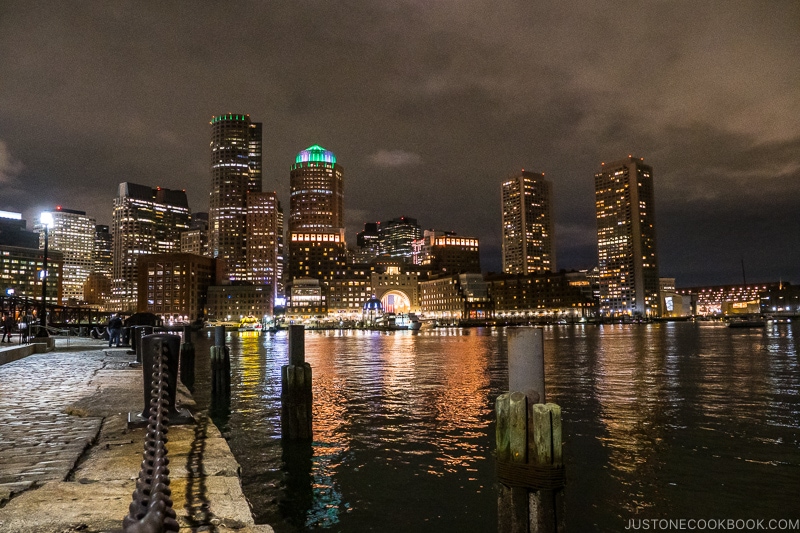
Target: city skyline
{"points": [[429, 108]]}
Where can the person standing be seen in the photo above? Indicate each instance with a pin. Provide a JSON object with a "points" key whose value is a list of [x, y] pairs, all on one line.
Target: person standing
{"points": [[114, 330], [8, 324]]}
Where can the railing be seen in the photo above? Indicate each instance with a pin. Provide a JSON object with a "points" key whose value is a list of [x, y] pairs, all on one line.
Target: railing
{"points": [[151, 509]]}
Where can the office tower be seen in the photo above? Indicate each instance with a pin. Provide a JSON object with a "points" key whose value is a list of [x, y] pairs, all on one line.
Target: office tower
{"points": [[103, 250], [263, 235], [317, 194], [72, 234], [528, 241], [145, 221], [367, 244], [281, 274], [235, 171], [626, 238], [396, 237], [444, 251]]}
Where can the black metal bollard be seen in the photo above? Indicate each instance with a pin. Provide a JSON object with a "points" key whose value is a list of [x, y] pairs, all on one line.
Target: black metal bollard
{"points": [[220, 364], [296, 395], [142, 331], [151, 348], [187, 359]]}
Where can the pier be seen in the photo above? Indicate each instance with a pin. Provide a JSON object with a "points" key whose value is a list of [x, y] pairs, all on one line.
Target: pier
{"points": [[69, 461]]}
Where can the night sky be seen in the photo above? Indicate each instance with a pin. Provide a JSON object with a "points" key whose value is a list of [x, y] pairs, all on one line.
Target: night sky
{"points": [[428, 106]]}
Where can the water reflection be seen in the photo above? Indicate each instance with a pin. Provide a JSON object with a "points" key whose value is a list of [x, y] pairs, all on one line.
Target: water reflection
{"points": [[658, 419]]}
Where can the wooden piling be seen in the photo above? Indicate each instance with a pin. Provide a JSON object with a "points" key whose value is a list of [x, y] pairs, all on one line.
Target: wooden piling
{"points": [[529, 456], [296, 395]]}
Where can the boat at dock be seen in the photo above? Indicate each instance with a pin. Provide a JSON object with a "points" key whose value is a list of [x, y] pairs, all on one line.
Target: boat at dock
{"points": [[747, 322], [250, 323], [392, 322]]}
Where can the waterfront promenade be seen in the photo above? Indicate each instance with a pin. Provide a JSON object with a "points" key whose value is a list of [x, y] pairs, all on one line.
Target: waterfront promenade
{"points": [[68, 462]]}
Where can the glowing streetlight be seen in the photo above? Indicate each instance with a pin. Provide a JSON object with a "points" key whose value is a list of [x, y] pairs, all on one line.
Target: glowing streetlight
{"points": [[46, 220]]}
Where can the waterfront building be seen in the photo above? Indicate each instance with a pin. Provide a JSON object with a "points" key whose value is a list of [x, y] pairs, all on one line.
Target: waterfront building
{"points": [[348, 292], [444, 251], [235, 171], [319, 254], [174, 286], [73, 233], [396, 238], [626, 239], [455, 298], [145, 221], [21, 272], [397, 285], [263, 239], [280, 275], [542, 297], [781, 301], [528, 231], [232, 303], [713, 300], [306, 299], [317, 191]]}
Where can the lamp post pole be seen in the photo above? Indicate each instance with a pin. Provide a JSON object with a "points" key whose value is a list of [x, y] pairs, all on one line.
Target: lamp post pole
{"points": [[46, 220]]}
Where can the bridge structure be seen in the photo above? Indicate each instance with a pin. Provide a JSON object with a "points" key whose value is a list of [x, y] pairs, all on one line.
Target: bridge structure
{"points": [[27, 310]]}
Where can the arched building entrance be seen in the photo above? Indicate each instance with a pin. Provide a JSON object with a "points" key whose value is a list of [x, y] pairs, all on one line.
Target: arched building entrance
{"points": [[395, 301]]}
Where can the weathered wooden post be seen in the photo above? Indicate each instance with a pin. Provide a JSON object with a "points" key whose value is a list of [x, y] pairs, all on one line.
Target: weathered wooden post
{"points": [[296, 397], [530, 466], [187, 358], [220, 363]]}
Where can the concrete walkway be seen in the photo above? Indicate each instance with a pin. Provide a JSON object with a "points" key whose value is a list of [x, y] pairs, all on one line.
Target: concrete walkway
{"points": [[68, 462]]}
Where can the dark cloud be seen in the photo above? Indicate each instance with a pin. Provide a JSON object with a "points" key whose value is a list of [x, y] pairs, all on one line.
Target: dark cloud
{"points": [[428, 106]]}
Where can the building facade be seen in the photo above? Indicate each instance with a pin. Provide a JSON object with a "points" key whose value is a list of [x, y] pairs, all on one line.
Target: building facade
{"points": [[528, 231], [264, 238], [626, 239], [235, 171], [232, 303], [444, 251], [456, 298], [174, 286], [541, 297], [318, 254], [21, 269], [396, 238], [73, 234], [145, 221]]}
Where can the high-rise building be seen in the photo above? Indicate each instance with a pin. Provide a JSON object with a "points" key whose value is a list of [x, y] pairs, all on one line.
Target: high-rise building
{"points": [[396, 237], [626, 239], [195, 240], [145, 221], [72, 234], [235, 171], [103, 251], [528, 241], [263, 239], [317, 194], [21, 261]]}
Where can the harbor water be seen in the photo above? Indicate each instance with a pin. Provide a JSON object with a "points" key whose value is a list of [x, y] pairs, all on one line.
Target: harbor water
{"points": [[686, 420]]}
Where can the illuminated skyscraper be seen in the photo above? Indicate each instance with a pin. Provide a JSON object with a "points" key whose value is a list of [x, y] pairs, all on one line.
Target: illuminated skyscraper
{"points": [[264, 236], [317, 194], [626, 238], [235, 171], [528, 241], [72, 234], [317, 248], [145, 221]]}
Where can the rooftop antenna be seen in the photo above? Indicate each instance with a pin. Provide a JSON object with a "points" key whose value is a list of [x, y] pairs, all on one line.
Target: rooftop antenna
{"points": [[744, 278]]}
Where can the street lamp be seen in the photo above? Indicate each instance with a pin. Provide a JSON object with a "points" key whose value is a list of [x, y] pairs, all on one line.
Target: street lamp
{"points": [[47, 221]]}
